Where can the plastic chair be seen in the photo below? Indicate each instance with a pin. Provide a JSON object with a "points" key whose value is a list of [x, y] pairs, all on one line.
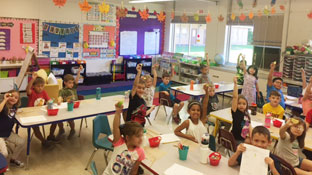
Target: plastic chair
{"points": [[227, 140], [93, 168], [3, 164], [81, 97], [101, 125], [164, 100], [284, 167]]}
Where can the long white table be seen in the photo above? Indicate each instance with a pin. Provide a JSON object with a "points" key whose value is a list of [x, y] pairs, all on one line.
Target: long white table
{"points": [[87, 108], [293, 102]]}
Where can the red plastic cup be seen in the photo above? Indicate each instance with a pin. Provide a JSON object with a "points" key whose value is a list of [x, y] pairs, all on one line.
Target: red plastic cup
{"points": [[217, 86], [154, 141], [214, 158], [76, 104], [277, 123], [52, 112]]}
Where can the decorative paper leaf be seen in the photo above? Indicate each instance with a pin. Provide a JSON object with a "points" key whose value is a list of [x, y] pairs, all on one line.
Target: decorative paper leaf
{"points": [[161, 17], [251, 15], [266, 10], [233, 17], [282, 7], [172, 14], [310, 15], [220, 18], [208, 18], [121, 12], [144, 15], [184, 18], [112, 43], [104, 8], [273, 11], [254, 4], [240, 3], [59, 3], [201, 11], [85, 6], [259, 13], [147, 10], [273, 2], [133, 8], [196, 17], [242, 17], [155, 13]]}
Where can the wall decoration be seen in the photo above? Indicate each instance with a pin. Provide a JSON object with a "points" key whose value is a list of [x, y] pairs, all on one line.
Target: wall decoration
{"points": [[94, 14], [172, 15], [59, 3], [240, 4], [121, 12], [220, 18], [46, 46], [5, 39], [184, 18], [18, 37], [133, 8], [233, 17], [128, 42], [85, 6], [104, 8], [273, 11], [151, 42], [144, 14], [110, 17], [208, 18], [61, 37], [266, 11], [161, 17], [196, 17], [155, 13], [259, 13], [310, 15], [254, 4], [282, 7], [242, 17]]}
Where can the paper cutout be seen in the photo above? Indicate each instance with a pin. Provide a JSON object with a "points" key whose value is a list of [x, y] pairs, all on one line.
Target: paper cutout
{"points": [[220, 18], [104, 8], [254, 4], [144, 14], [242, 17], [121, 12], [181, 170], [259, 13], [310, 15], [172, 14], [208, 18], [155, 13], [233, 17], [266, 11], [59, 3], [184, 18], [251, 15], [161, 17], [112, 43], [196, 17], [133, 8], [240, 3], [85, 6], [282, 7], [273, 11]]}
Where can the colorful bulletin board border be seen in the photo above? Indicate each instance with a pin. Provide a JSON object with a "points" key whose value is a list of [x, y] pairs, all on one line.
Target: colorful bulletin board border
{"points": [[19, 33], [98, 41], [60, 40]]}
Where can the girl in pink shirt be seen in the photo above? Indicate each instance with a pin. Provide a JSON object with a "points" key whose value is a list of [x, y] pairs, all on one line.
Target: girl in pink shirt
{"points": [[307, 99]]}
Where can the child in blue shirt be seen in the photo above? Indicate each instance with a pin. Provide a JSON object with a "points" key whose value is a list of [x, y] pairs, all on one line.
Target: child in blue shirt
{"points": [[164, 87], [275, 84]]}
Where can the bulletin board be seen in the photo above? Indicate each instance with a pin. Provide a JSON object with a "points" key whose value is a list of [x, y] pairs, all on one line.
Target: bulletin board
{"points": [[16, 33], [98, 41], [60, 40], [134, 23]]}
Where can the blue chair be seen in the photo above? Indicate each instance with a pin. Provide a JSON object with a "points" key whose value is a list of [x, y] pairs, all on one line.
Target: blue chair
{"points": [[101, 125], [3, 164], [93, 168]]}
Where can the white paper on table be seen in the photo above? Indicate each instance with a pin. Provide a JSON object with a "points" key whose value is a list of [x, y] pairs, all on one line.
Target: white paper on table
{"points": [[254, 124], [61, 106], [33, 119], [181, 170], [169, 138], [291, 98], [253, 159]]}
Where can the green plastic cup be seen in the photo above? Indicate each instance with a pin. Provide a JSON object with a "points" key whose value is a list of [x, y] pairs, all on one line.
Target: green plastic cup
{"points": [[183, 153], [70, 106]]}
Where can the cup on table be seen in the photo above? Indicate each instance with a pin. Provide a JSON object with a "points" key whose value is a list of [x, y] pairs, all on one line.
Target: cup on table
{"points": [[183, 153], [217, 86], [70, 106]]}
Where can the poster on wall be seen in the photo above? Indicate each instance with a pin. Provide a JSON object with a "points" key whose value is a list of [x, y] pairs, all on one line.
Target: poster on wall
{"points": [[98, 39], [151, 43], [54, 52], [5, 39], [94, 13], [128, 42], [62, 47], [46, 45], [27, 31]]}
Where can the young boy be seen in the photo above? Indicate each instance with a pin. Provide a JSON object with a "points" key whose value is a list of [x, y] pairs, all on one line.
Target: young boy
{"points": [[261, 138], [274, 106], [137, 110], [204, 69], [275, 84], [164, 87], [38, 97], [68, 92], [240, 69]]}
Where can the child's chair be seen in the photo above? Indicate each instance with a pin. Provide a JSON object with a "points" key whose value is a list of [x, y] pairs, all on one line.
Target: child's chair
{"points": [[3, 164], [93, 168], [285, 167], [227, 140], [81, 97], [101, 126], [164, 100]]}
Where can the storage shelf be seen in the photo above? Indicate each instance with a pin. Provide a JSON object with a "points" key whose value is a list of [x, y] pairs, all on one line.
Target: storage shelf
{"points": [[189, 74], [10, 66], [195, 65]]}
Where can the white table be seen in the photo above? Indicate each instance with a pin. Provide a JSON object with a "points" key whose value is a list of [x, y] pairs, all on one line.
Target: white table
{"points": [[87, 108], [292, 102]]}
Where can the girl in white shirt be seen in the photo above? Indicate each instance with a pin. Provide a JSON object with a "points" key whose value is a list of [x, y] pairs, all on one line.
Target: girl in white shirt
{"points": [[195, 125], [150, 86]]}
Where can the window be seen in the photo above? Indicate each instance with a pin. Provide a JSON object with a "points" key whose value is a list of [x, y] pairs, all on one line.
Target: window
{"points": [[239, 40], [188, 39]]}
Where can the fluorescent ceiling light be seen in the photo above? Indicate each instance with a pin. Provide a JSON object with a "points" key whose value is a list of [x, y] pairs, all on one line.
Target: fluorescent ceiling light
{"points": [[145, 1]]}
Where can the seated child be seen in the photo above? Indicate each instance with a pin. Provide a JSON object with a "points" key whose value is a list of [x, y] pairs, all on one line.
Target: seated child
{"points": [[274, 106], [204, 69], [195, 125], [8, 138], [240, 69], [261, 138], [291, 140], [38, 97], [241, 120], [164, 87], [137, 110], [150, 84], [275, 84], [307, 99], [127, 141]]}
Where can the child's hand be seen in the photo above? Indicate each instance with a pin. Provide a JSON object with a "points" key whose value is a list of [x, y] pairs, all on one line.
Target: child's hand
{"points": [[34, 75], [206, 55], [165, 92], [273, 65], [241, 148], [289, 123], [155, 66], [258, 93], [153, 107], [118, 108], [139, 68], [310, 80], [7, 96], [302, 71], [269, 161], [235, 80], [193, 139], [80, 68], [206, 88]]}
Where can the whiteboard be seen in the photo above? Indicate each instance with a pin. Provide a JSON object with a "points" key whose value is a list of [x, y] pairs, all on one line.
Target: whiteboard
{"points": [[151, 43], [128, 42]]}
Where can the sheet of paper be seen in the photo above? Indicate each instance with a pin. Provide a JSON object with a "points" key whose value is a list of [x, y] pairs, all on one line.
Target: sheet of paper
{"points": [[128, 42], [34, 119], [169, 138], [61, 106], [254, 124], [151, 42], [181, 170], [253, 159], [291, 98]]}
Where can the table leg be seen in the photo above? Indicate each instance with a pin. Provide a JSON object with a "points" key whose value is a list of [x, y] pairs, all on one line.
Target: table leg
{"points": [[28, 147], [223, 99], [16, 128], [216, 128]]}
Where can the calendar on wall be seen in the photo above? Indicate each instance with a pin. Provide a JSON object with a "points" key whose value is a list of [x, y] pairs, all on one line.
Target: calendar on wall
{"points": [[98, 39], [94, 13]]}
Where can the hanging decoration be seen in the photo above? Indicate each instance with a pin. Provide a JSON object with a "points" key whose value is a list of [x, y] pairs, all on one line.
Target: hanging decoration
{"points": [[310, 15], [161, 17], [60, 31], [147, 10], [121, 12], [254, 4], [266, 11], [233, 17], [208, 18], [201, 11], [104, 8], [112, 43], [220, 18], [59, 3], [251, 15], [273, 11], [133, 8], [259, 13], [196, 17], [273, 2], [155, 13], [85, 6], [184, 18], [172, 14], [242, 17], [144, 14], [282, 7], [240, 3]]}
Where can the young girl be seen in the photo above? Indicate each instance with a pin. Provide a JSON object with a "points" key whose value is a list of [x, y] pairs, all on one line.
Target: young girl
{"points": [[292, 136], [127, 154], [307, 99], [250, 86], [241, 120], [195, 125], [240, 72], [150, 86], [8, 139]]}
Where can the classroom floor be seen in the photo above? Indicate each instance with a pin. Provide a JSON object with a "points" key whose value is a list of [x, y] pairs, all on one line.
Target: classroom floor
{"points": [[71, 156]]}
